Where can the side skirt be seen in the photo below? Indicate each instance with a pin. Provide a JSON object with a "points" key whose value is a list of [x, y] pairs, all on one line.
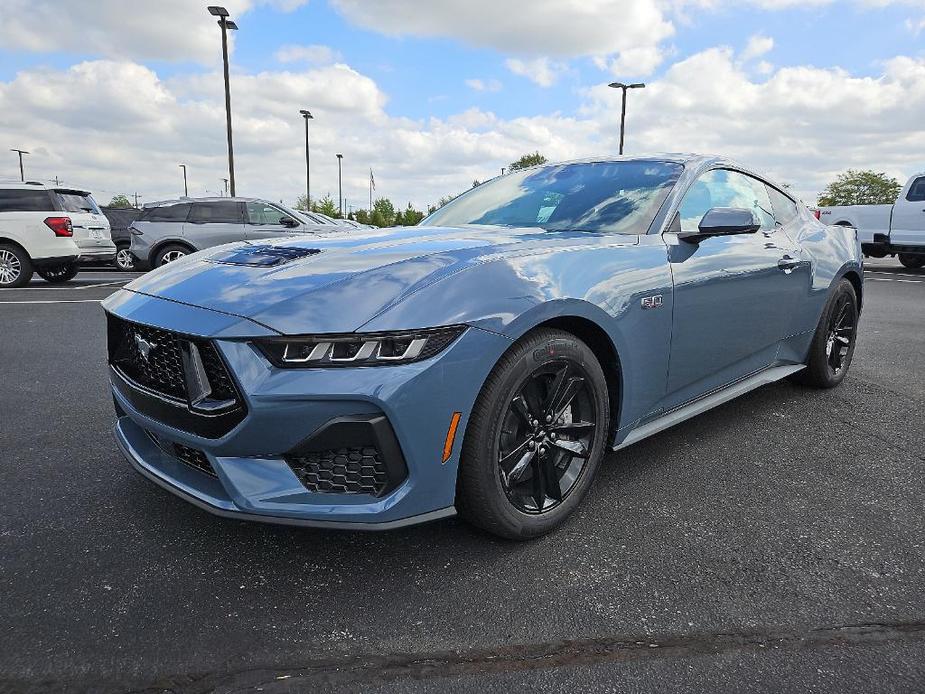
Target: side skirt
{"points": [[708, 402]]}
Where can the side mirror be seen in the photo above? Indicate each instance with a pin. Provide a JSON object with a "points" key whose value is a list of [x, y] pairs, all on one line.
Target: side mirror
{"points": [[724, 221], [288, 222]]}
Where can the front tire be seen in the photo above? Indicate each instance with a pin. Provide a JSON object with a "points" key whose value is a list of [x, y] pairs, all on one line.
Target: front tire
{"points": [[912, 261], [124, 261], [833, 344], [535, 438], [58, 274], [15, 267]]}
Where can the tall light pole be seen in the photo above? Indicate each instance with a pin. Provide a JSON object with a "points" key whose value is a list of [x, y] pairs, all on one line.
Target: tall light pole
{"points": [[307, 115], [22, 175], [185, 188], [624, 87], [226, 24], [340, 185]]}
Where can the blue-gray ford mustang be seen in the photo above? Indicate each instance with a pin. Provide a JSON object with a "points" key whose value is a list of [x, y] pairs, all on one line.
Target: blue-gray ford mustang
{"points": [[484, 361]]}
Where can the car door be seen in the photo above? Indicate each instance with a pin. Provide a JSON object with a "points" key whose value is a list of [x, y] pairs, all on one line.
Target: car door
{"points": [[732, 294], [908, 224], [214, 222], [267, 221]]}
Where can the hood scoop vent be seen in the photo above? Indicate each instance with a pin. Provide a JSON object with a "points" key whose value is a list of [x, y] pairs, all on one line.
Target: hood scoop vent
{"points": [[263, 256]]}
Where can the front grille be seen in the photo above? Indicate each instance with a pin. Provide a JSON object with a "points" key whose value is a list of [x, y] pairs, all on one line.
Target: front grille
{"points": [[342, 470], [162, 371], [194, 458]]}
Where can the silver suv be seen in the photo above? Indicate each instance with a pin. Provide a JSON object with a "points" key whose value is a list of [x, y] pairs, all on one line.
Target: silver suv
{"points": [[174, 228]]}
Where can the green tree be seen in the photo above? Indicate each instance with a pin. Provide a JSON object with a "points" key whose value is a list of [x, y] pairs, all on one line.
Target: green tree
{"points": [[383, 213], [120, 201], [326, 206], [411, 217], [527, 161], [303, 203], [362, 216], [860, 188]]}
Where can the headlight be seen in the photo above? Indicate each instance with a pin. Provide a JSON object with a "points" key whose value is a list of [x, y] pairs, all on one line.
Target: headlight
{"points": [[370, 349]]}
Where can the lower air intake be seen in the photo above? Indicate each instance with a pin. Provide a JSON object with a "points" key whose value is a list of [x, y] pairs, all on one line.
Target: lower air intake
{"points": [[342, 471]]}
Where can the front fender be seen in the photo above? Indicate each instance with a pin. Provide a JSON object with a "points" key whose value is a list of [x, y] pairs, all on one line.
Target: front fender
{"points": [[604, 284]]}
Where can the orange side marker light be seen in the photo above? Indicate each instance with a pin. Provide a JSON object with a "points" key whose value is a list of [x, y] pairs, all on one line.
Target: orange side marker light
{"points": [[451, 436]]}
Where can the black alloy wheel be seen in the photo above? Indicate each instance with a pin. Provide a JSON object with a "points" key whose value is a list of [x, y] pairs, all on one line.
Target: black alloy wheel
{"points": [[546, 436], [833, 343], [535, 437], [57, 274]]}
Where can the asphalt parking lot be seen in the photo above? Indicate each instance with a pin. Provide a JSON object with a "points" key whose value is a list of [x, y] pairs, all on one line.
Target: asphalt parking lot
{"points": [[776, 543]]}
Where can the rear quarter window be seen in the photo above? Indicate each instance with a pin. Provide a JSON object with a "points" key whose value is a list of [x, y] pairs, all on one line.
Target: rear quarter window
{"points": [[25, 200], [917, 190], [785, 209], [216, 213]]}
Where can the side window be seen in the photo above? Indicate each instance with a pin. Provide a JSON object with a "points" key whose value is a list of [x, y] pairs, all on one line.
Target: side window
{"points": [[264, 213], [785, 209], [167, 213], [723, 188], [917, 190], [216, 213], [25, 200]]}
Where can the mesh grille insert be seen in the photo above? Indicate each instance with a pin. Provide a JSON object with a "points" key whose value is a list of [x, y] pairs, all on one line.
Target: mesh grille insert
{"points": [[342, 471]]}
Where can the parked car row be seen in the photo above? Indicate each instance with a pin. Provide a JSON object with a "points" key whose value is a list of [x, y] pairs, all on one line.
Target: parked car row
{"points": [[54, 230]]}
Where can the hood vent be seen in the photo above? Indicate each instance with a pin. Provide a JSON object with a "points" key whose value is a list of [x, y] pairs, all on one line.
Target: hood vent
{"points": [[262, 256]]}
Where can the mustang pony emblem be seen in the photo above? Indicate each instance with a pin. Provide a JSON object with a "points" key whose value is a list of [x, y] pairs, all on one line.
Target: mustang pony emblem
{"points": [[144, 347]]}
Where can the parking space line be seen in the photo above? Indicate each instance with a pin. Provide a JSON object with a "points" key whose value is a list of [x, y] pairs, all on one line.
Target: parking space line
{"points": [[55, 301], [888, 279], [103, 284]]}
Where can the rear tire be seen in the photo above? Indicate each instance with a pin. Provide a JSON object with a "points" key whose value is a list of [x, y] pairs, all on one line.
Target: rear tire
{"points": [[912, 261], [833, 344], [169, 253], [15, 267], [59, 274], [526, 465]]}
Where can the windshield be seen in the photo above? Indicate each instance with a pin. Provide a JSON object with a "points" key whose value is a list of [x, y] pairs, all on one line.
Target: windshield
{"points": [[621, 197], [75, 201]]}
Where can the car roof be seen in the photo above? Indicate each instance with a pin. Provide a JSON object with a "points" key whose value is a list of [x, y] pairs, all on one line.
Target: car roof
{"points": [[38, 185], [178, 201]]}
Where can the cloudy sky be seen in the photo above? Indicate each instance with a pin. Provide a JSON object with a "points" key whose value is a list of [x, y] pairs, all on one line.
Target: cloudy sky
{"points": [[113, 96]]}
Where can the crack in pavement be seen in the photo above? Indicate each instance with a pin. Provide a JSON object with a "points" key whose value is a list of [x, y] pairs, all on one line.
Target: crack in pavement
{"points": [[370, 669]]}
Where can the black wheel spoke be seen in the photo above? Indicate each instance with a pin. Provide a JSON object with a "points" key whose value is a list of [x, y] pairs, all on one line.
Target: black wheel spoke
{"points": [[576, 448], [548, 465], [571, 389], [555, 390], [539, 484], [523, 462], [519, 405]]}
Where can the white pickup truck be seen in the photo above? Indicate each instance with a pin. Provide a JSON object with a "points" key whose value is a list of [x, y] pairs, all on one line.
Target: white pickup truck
{"points": [[897, 229]]}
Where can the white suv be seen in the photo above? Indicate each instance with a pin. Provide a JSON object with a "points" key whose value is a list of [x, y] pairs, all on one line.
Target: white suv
{"points": [[49, 230]]}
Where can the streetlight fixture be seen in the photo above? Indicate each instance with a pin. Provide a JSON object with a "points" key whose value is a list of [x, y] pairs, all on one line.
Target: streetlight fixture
{"points": [[226, 185], [340, 185], [624, 87], [226, 24], [185, 188], [22, 175], [307, 115]]}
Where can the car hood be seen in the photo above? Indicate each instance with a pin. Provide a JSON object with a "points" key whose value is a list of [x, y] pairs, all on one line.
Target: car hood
{"points": [[332, 283]]}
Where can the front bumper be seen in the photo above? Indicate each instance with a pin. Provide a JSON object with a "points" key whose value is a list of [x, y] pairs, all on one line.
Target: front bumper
{"points": [[286, 407]]}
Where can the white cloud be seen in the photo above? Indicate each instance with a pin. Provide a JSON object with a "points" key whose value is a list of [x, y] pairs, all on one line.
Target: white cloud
{"points": [[559, 28], [314, 54], [541, 71], [481, 85], [916, 26], [165, 30], [130, 128], [757, 46]]}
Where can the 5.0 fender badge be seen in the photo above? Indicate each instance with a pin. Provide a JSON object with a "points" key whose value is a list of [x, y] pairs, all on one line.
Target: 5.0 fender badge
{"points": [[652, 301]]}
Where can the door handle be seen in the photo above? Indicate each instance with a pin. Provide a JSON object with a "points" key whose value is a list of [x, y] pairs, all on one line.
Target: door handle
{"points": [[788, 263]]}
